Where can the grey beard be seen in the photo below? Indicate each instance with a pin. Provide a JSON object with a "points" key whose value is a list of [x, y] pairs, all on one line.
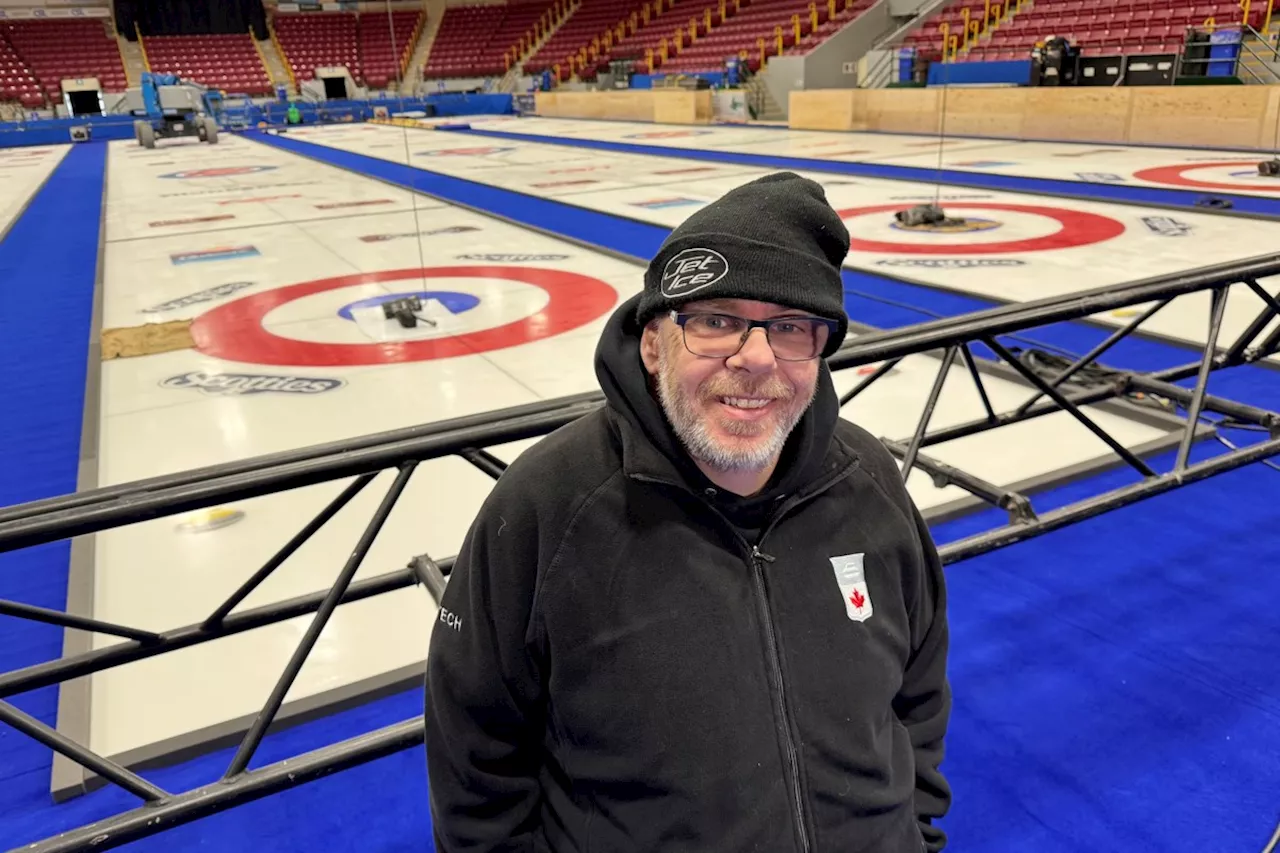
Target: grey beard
{"points": [[697, 440]]}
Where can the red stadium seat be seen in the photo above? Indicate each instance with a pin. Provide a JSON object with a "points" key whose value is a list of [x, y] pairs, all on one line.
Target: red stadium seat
{"points": [[1101, 27], [473, 41], [43, 53], [227, 62], [316, 40]]}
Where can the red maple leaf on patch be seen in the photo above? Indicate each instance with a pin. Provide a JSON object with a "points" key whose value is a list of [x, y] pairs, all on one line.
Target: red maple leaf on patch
{"points": [[858, 599]]}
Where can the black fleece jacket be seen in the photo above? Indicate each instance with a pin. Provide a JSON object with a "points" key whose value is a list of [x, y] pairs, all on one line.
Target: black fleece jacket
{"points": [[617, 668]]}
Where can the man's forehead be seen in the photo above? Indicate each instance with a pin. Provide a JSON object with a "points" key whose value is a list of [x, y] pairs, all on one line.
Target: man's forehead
{"points": [[731, 306]]}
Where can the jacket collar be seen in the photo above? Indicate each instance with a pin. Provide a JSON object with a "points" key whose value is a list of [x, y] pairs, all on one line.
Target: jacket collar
{"points": [[643, 462]]}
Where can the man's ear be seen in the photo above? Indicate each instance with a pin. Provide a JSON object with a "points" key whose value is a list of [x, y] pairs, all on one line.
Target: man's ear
{"points": [[650, 341]]}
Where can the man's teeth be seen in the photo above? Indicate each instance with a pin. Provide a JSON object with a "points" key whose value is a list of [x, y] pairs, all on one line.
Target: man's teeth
{"points": [[744, 402]]}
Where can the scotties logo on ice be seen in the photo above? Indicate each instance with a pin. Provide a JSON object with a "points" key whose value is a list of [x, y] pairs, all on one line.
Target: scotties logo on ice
{"points": [[1100, 177], [511, 258], [219, 172], [1166, 226], [692, 270], [207, 295], [852, 580], [951, 263], [452, 229], [664, 203], [237, 384]]}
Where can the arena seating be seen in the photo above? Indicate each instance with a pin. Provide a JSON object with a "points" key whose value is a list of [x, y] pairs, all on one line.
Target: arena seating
{"points": [[649, 36], [318, 39], [473, 40], [828, 24], [929, 35], [1098, 27], [61, 49], [227, 62], [708, 53], [592, 19], [17, 83], [1103, 27], [743, 32], [383, 55]]}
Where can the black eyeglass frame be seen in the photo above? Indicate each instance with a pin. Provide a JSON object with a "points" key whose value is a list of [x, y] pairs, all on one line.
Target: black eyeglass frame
{"points": [[680, 318]]}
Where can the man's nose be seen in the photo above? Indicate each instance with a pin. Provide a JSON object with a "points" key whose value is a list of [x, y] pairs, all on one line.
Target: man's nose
{"points": [[756, 354]]}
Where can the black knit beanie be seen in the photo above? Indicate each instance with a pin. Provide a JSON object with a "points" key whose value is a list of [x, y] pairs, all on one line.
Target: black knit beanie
{"points": [[775, 239]]}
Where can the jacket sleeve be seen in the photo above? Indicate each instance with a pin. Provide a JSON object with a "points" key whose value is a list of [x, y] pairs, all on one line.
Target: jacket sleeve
{"points": [[924, 700], [484, 692]]}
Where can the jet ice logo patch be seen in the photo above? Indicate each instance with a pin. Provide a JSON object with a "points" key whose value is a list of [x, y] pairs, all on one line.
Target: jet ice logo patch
{"points": [[853, 586], [692, 270]]}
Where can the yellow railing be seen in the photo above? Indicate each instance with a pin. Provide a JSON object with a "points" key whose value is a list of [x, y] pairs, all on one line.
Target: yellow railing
{"points": [[262, 56], [630, 24], [993, 14], [406, 53], [548, 21], [146, 63], [284, 57]]}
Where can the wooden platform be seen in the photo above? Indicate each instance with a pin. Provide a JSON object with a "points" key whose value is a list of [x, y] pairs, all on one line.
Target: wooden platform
{"points": [[664, 106], [1212, 116]]}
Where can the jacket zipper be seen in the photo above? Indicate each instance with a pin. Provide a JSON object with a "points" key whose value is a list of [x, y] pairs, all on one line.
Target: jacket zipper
{"points": [[758, 558]]}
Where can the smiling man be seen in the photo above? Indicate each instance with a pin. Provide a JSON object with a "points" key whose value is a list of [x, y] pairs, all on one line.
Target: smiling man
{"points": [[707, 617]]}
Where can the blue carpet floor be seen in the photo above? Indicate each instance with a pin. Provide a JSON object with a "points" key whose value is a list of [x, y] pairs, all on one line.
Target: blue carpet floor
{"points": [[1117, 687], [48, 265]]}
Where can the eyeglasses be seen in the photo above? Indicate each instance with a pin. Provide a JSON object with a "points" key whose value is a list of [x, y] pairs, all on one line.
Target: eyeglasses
{"points": [[722, 335]]}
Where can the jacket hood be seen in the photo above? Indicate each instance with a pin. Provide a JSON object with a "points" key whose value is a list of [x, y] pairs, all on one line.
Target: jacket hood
{"points": [[625, 382]]}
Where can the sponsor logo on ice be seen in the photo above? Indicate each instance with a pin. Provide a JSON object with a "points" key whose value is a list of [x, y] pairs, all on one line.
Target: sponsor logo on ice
{"points": [[195, 220], [219, 172], [452, 229], [239, 384], [238, 189], [199, 296], [224, 253], [334, 205], [261, 198], [512, 258], [1088, 153], [554, 184], [663, 203], [1166, 226], [956, 197], [951, 263], [480, 151]]}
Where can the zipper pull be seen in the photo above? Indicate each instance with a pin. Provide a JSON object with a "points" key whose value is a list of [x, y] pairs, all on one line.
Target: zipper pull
{"points": [[760, 555]]}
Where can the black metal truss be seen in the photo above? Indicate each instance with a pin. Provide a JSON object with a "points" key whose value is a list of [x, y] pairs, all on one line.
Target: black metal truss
{"points": [[1061, 388]]}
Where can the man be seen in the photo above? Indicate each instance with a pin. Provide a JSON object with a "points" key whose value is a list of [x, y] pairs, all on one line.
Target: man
{"points": [[706, 617]]}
